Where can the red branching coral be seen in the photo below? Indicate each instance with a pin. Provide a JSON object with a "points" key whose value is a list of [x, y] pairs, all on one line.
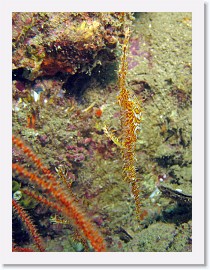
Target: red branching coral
{"points": [[57, 198]]}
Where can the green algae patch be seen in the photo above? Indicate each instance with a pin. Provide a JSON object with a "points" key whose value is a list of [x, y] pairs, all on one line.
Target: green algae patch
{"points": [[157, 238]]}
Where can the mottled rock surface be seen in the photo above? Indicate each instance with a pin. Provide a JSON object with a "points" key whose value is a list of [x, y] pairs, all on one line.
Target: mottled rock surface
{"points": [[47, 43]]}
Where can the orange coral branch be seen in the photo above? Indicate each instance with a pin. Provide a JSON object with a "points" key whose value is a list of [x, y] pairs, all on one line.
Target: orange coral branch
{"points": [[33, 157], [65, 203], [29, 225], [20, 249], [42, 199]]}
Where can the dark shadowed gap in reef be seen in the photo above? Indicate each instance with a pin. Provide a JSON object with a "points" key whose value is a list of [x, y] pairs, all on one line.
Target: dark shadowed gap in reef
{"points": [[77, 84]]}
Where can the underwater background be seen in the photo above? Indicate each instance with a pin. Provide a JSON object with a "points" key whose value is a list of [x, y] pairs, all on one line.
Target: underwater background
{"points": [[66, 70]]}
